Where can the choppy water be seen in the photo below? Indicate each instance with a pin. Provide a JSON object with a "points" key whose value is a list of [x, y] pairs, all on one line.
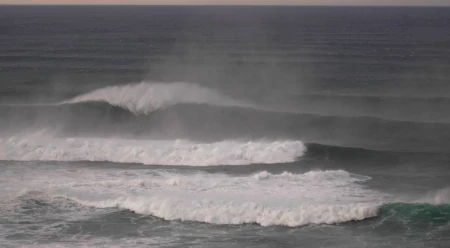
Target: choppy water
{"points": [[224, 127]]}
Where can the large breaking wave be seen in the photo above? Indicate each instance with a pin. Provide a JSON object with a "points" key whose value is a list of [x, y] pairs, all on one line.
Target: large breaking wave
{"points": [[144, 98], [287, 199], [171, 111], [129, 124], [263, 198], [150, 152]]}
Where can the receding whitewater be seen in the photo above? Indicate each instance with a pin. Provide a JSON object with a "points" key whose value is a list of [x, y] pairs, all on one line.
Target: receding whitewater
{"points": [[224, 127]]}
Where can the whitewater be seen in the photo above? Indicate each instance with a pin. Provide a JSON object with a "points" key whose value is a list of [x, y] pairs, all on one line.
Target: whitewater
{"points": [[150, 152], [264, 198]]}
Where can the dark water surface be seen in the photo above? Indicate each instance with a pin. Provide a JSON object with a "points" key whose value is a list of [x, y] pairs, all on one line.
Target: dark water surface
{"points": [[224, 126]]}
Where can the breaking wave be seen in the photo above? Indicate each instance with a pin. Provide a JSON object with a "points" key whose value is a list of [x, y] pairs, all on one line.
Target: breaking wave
{"points": [[267, 199], [414, 216], [144, 98], [222, 212], [263, 198], [150, 152], [170, 111]]}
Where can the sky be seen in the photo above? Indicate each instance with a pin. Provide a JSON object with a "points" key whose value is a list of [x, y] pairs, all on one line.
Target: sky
{"points": [[234, 2]]}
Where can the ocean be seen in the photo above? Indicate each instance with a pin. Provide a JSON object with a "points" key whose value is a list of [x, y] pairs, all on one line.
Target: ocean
{"points": [[200, 126]]}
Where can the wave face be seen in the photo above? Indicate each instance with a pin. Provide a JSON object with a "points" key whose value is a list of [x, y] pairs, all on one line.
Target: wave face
{"points": [[285, 199], [418, 215], [147, 132], [149, 152], [159, 111], [144, 98]]}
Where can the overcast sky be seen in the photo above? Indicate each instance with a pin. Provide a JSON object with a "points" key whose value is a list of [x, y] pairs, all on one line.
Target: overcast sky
{"points": [[271, 2]]}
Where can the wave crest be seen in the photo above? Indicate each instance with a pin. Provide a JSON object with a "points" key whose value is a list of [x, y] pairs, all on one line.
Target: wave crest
{"points": [[223, 212], [286, 199], [151, 152], [145, 97]]}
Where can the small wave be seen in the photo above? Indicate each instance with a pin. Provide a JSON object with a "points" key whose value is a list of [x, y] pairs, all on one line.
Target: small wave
{"points": [[150, 152], [145, 97]]}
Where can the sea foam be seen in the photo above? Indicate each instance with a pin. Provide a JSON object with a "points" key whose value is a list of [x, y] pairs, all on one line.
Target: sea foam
{"points": [[288, 199], [150, 152], [229, 212], [265, 198]]}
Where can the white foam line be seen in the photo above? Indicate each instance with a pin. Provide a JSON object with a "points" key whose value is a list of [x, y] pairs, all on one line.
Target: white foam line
{"points": [[177, 152], [229, 212], [289, 199], [315, 197]]}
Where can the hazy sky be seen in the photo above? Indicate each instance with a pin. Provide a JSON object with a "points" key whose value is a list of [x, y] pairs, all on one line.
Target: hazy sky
{"points": [[274, 2]]}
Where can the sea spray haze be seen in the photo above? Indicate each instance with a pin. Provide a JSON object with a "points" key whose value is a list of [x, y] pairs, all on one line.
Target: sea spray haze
{"points": [[224, 126]]}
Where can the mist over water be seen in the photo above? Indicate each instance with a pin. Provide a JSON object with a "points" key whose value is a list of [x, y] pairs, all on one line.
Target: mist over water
{"points": [[224, 126]]}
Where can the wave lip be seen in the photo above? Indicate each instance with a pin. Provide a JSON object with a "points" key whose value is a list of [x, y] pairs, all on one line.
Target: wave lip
{"points": [[177, 152], [145, 97]]}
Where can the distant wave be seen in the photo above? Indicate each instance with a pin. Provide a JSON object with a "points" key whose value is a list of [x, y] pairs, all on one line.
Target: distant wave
{"points": [[144, 98], [207, 123], [108, 108], [187, 111], [150, 152]]}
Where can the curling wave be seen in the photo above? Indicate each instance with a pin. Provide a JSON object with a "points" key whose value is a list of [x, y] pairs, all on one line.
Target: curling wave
{"points": [[144, 98]]}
